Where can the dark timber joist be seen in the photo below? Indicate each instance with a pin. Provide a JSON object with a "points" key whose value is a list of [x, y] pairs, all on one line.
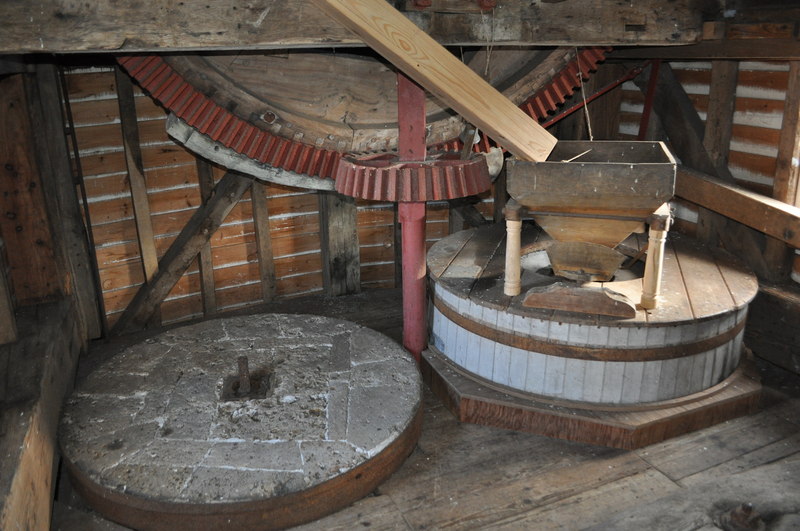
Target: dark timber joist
{"points": [[266, 265], [164, 25], [44, 99], [718, 130], [197, 232], [205, 260], [341, 264]]}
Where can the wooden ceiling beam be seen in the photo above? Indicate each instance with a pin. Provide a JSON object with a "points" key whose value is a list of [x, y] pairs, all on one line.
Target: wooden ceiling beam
{"points": [[61, 26]]}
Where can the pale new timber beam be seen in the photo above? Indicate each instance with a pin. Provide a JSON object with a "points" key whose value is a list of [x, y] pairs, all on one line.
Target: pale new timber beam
{"points": [[765, 214], [428, 63], [59, 26], [197, 232]]}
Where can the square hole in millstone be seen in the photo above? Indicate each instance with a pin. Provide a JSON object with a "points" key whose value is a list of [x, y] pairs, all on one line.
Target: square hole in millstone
{"points": [[246, 385]]}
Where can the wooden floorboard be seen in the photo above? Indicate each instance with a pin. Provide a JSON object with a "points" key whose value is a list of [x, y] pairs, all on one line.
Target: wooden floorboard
{"points": [[464, 476]]}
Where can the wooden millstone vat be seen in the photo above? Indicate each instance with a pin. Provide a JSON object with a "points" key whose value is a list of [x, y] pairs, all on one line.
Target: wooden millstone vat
{"points": [[592, 378]]}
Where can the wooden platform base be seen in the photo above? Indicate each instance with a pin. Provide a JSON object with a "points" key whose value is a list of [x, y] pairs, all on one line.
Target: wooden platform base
{"points": [[478, 401]]}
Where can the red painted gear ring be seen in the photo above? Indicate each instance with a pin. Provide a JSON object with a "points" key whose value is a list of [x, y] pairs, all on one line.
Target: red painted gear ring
{"points": [[383, 177]]}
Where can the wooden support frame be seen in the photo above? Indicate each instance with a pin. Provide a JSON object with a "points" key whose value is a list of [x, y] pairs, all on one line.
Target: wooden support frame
{"points": [[341, 264], [205, 262], [60, 195], [764, 214], [710, 184], [197, 232], [8, 320], [266, 265], [136, 178]]}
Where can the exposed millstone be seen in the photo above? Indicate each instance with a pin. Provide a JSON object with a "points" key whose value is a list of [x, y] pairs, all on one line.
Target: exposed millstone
{"points": [[152, 421]]}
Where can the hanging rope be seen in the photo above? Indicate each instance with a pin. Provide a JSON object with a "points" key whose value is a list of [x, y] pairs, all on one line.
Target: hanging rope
{"points": [[583, 95]]}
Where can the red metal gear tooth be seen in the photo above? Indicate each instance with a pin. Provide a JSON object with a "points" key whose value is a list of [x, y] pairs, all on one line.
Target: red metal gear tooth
{"points": [[403, 189], [597, 55], [209, 120], [142, 66], [342, 179], [357, 178], [221, 120], [180, 96], [292, 158], [556, 94], [283, 156], [270, 147], [153, 82], [362, 188], [541, 110], [563, 85], [306, 157], [530, 111], [330, 161], [255, 146], [128, 60], [573, 73], [187, 103], [170, 88], [198, 112], [244, 139], [277, 152], [391, 186], [234, 132], [367, 182], [313, 163]]}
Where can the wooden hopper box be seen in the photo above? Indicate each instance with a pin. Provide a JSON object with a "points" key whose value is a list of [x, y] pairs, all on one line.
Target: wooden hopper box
{"points": [[597, 192]]}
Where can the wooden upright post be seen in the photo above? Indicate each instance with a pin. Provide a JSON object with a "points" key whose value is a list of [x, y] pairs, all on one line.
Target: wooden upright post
{"points": [[654, 265], [513, 283]]}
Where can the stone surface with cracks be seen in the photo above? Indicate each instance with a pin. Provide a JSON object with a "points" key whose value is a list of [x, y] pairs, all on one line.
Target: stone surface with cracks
{"points": [[152, 422]]}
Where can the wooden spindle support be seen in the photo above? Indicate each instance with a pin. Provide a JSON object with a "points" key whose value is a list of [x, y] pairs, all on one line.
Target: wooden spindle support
{"points": [[512, 285], [654, 264]]}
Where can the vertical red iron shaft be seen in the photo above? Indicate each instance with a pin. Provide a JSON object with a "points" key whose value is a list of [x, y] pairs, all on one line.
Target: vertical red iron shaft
{"points": [[411, 147]]}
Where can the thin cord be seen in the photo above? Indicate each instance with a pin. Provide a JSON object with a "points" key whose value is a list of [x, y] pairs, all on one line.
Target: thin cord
{"points": [[583, 94], [490, 45]]}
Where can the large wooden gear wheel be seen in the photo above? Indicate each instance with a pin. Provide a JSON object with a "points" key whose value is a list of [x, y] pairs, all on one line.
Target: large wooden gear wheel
{"points": [[301, 110]]}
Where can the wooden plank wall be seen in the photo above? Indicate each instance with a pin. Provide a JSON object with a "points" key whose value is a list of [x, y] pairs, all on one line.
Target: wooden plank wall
{"points": [[174, 194], [760, 93]]}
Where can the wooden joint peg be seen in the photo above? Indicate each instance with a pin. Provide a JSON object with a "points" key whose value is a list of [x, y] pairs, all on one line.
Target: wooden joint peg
{"points": [[513, 283], [659, 226]]}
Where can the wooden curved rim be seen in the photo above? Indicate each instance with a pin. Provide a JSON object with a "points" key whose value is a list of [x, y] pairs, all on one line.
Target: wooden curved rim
{"points": [[561, 350], [271, 135], [278, 512]]}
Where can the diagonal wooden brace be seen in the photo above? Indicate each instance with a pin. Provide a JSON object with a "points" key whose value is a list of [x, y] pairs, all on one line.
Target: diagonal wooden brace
{"points": [[197, 232]]}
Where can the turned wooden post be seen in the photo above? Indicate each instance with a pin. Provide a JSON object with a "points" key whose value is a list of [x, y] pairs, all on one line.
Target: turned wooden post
{"points": [[659, 226], [513, 231]]}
